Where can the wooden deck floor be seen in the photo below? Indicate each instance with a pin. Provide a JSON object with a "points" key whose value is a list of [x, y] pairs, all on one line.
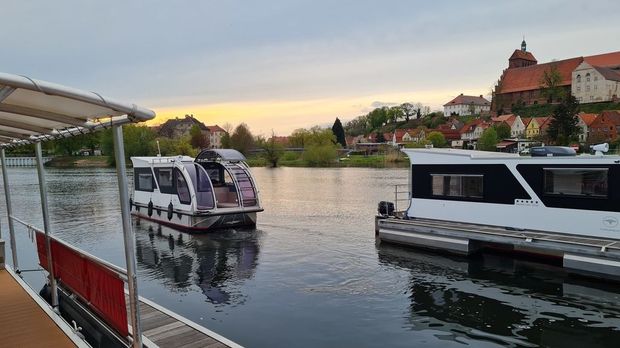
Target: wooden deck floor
{"points": [[22, 322], [167, 330]]}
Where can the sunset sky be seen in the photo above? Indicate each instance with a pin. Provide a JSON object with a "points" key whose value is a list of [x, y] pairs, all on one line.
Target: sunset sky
{"points": [[284, 64]]}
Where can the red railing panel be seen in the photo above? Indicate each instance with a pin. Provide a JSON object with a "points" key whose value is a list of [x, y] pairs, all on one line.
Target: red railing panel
{"points": [[93, 282]]}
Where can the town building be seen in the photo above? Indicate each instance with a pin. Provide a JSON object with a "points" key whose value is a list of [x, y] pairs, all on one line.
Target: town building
{"points": [[584, 123], [472, 131], [522, 82], [605, 127], [537, 126], [464, 105], [180, 127], [592, 84], [517, 127], [215, 136]]}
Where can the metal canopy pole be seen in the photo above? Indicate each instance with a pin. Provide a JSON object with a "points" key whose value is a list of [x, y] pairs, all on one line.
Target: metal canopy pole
{"points": [[9, 210], [46, 223], [130, 258]]}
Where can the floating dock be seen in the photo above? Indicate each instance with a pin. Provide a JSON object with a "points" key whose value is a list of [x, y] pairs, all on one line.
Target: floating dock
{"points": [[590, 256], [164, 328]]}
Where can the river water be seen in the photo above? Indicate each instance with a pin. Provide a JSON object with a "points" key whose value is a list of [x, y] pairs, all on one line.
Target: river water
{"points": [[312, 275]]}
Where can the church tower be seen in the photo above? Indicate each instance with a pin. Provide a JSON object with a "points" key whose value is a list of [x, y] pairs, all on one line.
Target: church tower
{"points": [[521, 58]]}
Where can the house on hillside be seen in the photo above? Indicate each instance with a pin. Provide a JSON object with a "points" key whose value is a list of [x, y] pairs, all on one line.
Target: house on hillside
{"points": [[215, 138], [534, 126], [520, 83], [464, 105], [592, 84], [180, 127], [472, 131], [584, 123], [517, 127], [605, 127]]}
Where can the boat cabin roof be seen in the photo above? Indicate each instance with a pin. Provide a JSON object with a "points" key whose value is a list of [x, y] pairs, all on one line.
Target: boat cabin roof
{"points": [[434, 155], [157, 161], [33, 110], [211, 155]]}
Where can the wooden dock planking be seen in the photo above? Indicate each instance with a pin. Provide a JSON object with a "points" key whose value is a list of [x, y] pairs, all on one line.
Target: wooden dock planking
{"points": [[165, 330], [22, 322]]}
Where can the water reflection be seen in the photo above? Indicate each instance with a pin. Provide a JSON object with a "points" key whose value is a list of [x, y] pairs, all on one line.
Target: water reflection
{"points": [[218, 263], [512, 302]]}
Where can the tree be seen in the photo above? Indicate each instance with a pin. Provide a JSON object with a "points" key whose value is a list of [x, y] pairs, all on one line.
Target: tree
{"points": [[357, 126], [488, 140], [138, 140], [408, 110], [378, 117], [272, 150], [299, 137], [197, 139], [339, 133], [550, 84], [380, 137], [437, 139], [242, 139], [503, 131], [563, 127]]}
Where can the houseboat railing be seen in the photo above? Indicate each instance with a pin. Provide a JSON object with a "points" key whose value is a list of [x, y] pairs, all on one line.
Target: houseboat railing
{"points": [[114, 270], [119, 271], [398, 194]]}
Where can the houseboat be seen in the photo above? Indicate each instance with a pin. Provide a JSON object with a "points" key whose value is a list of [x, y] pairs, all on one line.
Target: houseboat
{"points": [[555, 192], [552, 204], [214, 190]]}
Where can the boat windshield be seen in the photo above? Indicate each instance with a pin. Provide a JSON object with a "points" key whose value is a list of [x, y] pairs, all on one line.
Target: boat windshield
{"points": [[202, 186], [246, 187]]}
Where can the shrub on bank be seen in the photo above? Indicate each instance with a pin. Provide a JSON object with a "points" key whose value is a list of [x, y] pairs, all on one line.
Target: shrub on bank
{"points": [[320, 155]]}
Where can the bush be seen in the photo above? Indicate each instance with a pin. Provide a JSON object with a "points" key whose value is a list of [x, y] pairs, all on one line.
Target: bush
{"points": [[320, 155]]}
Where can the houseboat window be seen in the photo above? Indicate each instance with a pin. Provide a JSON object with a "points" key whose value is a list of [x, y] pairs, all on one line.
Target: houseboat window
{"points": [[457, 185], [182, 188], [580, 182], [143, 179], [202, 185], [164, 180]]}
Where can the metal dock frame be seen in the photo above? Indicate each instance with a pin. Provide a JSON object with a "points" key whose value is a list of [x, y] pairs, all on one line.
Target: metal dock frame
{"points": [[585, 255]]}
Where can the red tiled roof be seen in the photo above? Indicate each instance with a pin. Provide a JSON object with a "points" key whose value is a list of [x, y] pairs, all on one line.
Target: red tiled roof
{"points": [[509, 119], [605, 60], [467, 100], [529, 77], [587, 118], [519, 54], [449, 134], [215, 128], [543, 123], [526, 121]]}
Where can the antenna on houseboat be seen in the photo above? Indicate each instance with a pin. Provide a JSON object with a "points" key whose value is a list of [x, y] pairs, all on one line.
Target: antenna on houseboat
{"points": [[158, 149]]}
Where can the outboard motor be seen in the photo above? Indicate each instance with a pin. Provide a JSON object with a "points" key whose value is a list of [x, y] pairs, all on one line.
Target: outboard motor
{"points": [[385, 208]]}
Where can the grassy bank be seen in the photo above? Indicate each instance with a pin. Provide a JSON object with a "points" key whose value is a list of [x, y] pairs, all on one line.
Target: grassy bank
{"points": [[78, 161], [371, 161]]}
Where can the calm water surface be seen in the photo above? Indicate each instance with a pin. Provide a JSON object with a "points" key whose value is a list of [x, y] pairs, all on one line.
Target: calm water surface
{"points": [[311, 275]]}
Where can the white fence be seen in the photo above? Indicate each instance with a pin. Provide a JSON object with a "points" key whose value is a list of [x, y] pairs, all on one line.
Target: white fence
{"points": [[24, 161]]}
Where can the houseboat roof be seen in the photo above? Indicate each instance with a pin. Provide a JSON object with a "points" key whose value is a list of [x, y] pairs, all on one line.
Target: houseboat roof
{"points": [[488, 155], [463, 153], [149, 161], [33, 110], [208, 155]]}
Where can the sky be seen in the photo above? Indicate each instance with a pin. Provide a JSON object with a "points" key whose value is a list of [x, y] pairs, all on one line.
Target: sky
{"points": [[279, 65]]}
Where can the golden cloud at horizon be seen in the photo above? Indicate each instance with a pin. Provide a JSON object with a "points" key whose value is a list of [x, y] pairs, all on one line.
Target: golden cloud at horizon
{"points": [[284, 116]]}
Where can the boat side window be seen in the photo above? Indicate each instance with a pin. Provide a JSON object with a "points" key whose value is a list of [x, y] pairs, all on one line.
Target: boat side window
{"points": [[143, 179], [457, 185], [165, 180], [182, 188], [576, 182]]}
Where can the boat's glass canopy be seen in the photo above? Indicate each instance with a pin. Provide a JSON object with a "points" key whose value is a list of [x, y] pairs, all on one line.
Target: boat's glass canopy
{"points": [[220, 154], [33, 110]]}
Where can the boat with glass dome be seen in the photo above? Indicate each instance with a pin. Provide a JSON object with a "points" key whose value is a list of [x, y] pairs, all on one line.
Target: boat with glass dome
{"points": [[214, 190]]}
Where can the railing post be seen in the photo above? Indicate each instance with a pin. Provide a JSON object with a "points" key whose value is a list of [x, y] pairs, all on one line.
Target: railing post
{"points": [[9, 210], [128, 235], [395, 198], [46, 223]]}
